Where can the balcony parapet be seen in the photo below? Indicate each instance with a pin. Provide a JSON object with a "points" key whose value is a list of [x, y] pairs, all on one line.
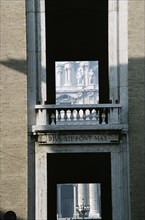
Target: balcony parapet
{"points": [[77, 117]]}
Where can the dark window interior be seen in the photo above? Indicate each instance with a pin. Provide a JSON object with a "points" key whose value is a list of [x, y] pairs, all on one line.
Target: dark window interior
{"points": [[76, 168], [77, 30]]}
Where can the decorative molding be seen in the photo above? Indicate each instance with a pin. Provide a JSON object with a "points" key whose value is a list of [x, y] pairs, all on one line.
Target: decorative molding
{"points": [[57, 138]]}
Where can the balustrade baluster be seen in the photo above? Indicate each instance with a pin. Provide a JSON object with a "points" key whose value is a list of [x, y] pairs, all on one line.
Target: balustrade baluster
{"points": [[103, 116], [94, 115], [62, 115], [56, 115], [72, 115], [75, 114], [90, 114], [78, 114], [81, 115], [84, 114], [65, 115], [59, 115], [52, 119], [68, 115], [87, 114], [97, 116]]}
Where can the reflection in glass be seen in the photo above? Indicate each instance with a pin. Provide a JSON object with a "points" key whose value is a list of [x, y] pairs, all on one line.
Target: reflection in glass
{"points": [[78, 201], [77, 82]]}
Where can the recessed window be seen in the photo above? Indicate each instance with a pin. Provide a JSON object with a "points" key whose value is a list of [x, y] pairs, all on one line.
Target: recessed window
{"points": [[77, 82], [79, 201], [76, 181], [76, 31]]}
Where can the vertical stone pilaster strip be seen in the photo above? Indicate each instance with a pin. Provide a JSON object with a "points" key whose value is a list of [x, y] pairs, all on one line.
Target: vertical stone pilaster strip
{"points": [[59, 201]]}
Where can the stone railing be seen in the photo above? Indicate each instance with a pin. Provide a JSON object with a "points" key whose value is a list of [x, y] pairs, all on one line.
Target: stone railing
{"points": [[61, 115]]}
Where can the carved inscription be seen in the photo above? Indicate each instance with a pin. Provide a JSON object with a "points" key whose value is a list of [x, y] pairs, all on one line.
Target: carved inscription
{"points": [[77, 139]]}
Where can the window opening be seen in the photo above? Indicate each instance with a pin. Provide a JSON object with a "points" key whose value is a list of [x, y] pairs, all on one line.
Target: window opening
{"points": [[79, 201], [77, 31], [85, 169], [77, 82]]}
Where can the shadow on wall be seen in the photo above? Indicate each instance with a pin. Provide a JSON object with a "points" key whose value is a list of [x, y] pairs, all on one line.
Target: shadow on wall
{"points": [[136, 81], [20, 64], [15, 64]]}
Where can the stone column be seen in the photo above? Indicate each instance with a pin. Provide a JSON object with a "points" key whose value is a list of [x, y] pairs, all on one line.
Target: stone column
{"points": [[94, 200], [80, 193], [75, 200], [83, 198], [83, 194], [59, 215], [86, 65], [58, 75]]}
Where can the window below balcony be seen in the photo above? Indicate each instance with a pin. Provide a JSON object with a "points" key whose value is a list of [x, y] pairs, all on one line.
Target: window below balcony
{"points": [[79, 201], [83, 191]]}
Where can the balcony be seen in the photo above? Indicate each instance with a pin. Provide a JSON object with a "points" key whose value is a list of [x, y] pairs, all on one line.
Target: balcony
{"points": [[77, 117]]}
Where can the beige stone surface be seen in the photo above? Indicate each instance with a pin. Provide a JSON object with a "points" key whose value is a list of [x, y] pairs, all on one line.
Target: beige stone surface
{"points": [[13, 108], [136, 82]]}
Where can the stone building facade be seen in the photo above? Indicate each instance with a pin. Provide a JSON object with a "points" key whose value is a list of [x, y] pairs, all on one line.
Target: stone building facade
{"points": [[13, 109], [101, 143]]}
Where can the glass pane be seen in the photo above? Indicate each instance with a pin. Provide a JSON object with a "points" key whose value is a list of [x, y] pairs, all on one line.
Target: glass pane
{"points": [[77, 82], [78, 201]]}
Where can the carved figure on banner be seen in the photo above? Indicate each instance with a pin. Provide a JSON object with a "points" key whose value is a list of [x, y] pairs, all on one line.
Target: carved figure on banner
{"points": [[80, 76], [91, 77], [67, 68]]}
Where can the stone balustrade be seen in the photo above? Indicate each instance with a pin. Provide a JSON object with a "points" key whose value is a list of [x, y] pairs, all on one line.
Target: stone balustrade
{"points": [[59, 115]]}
